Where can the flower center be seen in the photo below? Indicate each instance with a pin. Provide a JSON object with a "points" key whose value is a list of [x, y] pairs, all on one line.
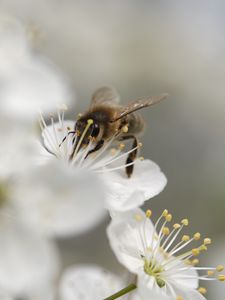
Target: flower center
{"points": [[153, 269]]}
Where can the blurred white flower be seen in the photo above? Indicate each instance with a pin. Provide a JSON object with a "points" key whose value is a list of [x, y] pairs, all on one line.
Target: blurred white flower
{"points": [[4, 296], [28, 261], [28, 81], [123, 193], [151, 256], [88, 282], [60, 201]]}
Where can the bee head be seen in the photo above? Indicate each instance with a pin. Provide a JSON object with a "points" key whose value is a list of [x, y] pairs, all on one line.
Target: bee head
{"points": [[86, 129]]}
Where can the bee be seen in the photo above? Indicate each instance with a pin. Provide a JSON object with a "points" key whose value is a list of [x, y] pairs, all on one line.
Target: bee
{"points": [[110, 119]]}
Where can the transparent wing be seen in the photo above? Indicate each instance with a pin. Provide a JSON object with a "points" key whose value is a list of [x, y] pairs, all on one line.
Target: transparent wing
{"points": [[139, 104], [105, 94]]}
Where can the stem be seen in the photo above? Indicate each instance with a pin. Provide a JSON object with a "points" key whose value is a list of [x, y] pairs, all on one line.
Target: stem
{"points": [[122, 292]]}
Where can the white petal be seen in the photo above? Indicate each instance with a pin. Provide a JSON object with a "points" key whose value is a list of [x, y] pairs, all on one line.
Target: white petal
{"points": [[88, 282], [27, 260], [127, 193], [53, 136], [60, 200], [4, 296], [128, 240], [190, 283]]}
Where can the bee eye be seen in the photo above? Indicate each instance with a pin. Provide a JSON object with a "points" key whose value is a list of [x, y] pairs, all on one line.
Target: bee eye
{"points": [[95, 130]]}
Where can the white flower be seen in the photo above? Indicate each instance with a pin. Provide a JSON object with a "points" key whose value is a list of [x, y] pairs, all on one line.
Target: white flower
{"points": [[60, 201], [88, 282], [28, 81], [28, 261], [108, 164], [4, 296], [151, 256]]}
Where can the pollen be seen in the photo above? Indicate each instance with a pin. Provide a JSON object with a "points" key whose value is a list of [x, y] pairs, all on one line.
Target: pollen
{"points": [[185, 238], [185, 222], [207, 241], [197, 236], [221, 277], [169, 218], [125, 129], [166, 231], [219, 268], [165, 213], [195, 252], [90, 121], [176, 226], [148, 213], [202, 290]]}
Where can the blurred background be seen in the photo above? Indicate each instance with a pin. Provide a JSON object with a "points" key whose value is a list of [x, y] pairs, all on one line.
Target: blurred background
{"points": [[146, 48]]}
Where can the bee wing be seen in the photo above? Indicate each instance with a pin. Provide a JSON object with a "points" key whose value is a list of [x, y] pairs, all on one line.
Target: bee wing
{"points": [[104, 95], [139, 104]]}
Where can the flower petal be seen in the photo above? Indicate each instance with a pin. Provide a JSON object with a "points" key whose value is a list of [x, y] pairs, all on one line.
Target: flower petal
{"points": [[88, 282], [125, 193], [60, 200], [28, 261]]}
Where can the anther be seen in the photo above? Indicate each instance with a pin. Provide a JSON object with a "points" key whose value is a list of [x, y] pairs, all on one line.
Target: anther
{"points": [[197, 236], [125, 129], [203, 248], [195, 262], [148, 213], [62, 107], [176, 226], [141, 158], [165, 213], [221, 277], [179, 298], [207, 241], [168, 218], [79, 115], [113, 151], [202, 290], [121, 146], [185, 222], [140, 144], [185, 238], [219, 268], [210, 273], [90, 121], [195, 251], [166, 231]]}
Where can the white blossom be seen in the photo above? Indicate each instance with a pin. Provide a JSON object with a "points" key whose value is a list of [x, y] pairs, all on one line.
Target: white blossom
{"points": [[88, 282], [149, 252], [29, 82], [108, 164]]}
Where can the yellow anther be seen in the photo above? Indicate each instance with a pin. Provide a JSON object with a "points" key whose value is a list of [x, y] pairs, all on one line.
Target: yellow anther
{"points": [[141, 158], [179, 298], [210, 273], [113, 151], [90, 121], [165, 213], [140, 144], [207, 241], [169, 218], [202, 290], [203, 248], [176, 226], [68, 128], [148, 213], [121, 146], [125, 129], [197, 236], [195, 251], [166, 231], [79, 115], [188, 262], [219, 268], [185, 238], [138, 217], [185, 222], [221, 277], [195, 262]]}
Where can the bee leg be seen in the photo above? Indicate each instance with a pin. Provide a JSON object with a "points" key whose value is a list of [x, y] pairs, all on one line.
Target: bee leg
{"points": [[96, 148], [132, 156], [70, 132]]}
